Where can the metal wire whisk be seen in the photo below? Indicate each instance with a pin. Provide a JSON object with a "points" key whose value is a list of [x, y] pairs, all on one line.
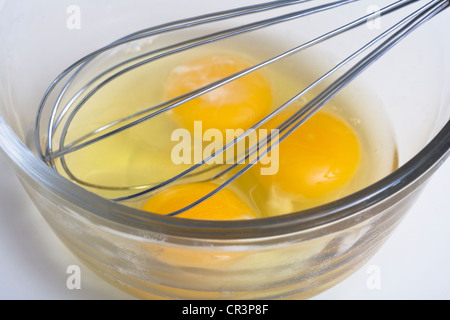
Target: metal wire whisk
{"points": [[61, 115]]}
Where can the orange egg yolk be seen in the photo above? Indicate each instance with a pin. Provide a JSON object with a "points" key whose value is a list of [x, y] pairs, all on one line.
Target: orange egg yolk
{"points": [[224, 205], [317, 159], [237, 105]]}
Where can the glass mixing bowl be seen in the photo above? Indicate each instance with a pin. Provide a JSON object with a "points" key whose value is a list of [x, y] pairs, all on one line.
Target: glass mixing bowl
{"points": [[293, 256]]}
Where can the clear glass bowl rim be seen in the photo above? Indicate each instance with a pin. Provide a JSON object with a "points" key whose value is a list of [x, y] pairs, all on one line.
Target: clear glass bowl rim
{"points": [[118, 216]]}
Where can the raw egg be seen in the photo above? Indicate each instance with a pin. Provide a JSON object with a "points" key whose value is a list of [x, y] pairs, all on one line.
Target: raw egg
{"points": [[237, 105], [318, 159], [224, 205]]}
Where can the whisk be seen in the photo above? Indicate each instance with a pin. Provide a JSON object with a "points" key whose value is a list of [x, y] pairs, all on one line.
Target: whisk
{"points": [[55, 127]]}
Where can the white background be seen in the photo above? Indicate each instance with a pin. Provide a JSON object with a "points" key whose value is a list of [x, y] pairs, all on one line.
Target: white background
{"points": [[413, 264]]}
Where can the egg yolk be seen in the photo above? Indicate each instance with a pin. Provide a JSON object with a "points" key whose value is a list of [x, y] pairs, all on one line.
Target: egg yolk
{"points": [[224, 205], [237, 105], [317, 159]]}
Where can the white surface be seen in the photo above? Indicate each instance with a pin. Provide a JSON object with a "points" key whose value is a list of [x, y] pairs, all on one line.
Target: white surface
{"points": [[413, 264]]}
